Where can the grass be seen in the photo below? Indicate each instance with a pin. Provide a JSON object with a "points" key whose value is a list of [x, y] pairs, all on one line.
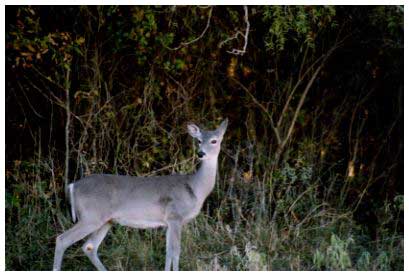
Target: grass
{"points": [[235, 231], [208, 244]]}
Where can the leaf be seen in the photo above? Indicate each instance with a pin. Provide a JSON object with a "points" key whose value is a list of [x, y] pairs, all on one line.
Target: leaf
{"points": [[80, 40], [31, 48], [180, 64], [247, 176]]}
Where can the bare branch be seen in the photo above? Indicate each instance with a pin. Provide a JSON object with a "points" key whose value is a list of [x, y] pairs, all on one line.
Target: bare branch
{"points": [[236, 36]]}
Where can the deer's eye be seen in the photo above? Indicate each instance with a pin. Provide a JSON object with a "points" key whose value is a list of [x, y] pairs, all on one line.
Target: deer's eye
{"points": [[213, 141], [199, 141]]}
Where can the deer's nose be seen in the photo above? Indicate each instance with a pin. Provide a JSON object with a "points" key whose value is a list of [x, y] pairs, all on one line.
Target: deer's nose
{"points": [[201, 154]]}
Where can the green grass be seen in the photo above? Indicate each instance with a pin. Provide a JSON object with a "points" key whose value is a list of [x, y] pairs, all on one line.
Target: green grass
{"points": [[237, 230], [208, 244]]}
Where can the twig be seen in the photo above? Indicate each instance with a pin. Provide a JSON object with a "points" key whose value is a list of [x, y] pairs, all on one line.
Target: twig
{"points": [[300, 104], [232, 178], [48, 78], [263, 108], [67, 127], [184, 44], [53, 100], [29, 103], [168, 167], [300, 79], [180, 86]]}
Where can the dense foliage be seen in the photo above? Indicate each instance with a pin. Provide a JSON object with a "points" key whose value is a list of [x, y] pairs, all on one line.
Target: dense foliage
{"points": [[311, 170]]}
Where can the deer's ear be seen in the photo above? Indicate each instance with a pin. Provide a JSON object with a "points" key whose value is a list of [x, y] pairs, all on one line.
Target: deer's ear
{"points": [[223, 126], [194, 130]]}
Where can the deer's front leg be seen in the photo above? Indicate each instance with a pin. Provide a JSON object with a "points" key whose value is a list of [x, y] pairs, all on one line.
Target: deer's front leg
{"points": [[173, 237]]}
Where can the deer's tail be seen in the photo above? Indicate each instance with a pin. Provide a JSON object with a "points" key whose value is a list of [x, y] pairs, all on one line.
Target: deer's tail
{"points": [[72, 201]]}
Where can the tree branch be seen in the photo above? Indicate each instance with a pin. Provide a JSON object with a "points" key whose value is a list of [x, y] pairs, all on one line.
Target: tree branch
{"points": [[284, 142], [183, 44], [263, 108]]}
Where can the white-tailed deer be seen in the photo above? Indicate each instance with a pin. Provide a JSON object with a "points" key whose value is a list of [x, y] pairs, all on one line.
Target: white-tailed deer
{"points": [[100, 200]]}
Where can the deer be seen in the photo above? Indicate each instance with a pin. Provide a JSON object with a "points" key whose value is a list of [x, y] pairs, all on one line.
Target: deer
{"points": [[99, 201]]}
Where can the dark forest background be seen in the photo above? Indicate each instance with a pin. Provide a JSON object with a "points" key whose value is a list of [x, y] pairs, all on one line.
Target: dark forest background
{"points": [[311, 169]]}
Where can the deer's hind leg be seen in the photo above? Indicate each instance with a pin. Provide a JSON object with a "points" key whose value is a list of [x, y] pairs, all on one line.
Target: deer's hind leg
{"points": [[90, 247], [69, 237]]}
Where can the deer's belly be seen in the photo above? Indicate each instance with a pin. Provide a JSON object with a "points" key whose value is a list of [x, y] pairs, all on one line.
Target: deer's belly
{"points": [[139, 216], [139, 223]]}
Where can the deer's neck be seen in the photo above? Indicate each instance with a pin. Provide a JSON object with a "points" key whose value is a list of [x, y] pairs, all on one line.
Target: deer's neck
{"points": [[205, 178]]}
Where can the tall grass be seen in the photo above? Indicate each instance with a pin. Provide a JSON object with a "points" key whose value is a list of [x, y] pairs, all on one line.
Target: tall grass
{"points": [[280, 221]]}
